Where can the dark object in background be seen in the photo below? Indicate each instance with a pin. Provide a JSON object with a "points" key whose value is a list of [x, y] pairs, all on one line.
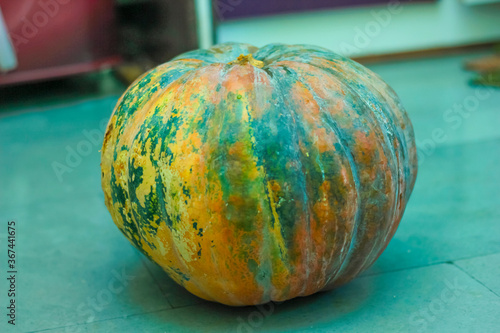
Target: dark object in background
{"points": [[156, 30], [56, 38], [487, 68], [231, 9], [153, 32]]}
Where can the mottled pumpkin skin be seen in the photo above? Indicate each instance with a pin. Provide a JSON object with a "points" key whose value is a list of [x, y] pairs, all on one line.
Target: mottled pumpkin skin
{"points": [[247, 184]]}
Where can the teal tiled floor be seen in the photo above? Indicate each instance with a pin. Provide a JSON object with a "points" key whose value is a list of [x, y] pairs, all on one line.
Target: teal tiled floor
{"points": [[77, 273]]}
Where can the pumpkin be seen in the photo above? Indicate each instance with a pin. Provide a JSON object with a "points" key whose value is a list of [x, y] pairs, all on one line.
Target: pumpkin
{"points": [[254, 175]]}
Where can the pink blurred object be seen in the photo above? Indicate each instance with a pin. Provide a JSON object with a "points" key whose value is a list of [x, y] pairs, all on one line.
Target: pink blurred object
{"points": [[54, 38]]}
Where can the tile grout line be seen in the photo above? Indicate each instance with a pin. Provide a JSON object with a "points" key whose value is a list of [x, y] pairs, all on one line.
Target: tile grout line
{"points": [[473, 257], [113, 318], [403, 269], [426, 265], [99, 321], [475, 279], [156, 282]]}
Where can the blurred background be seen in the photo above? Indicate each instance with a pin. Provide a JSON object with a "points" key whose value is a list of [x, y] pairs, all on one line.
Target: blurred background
{"points": [[63, 66], [43, 40]]}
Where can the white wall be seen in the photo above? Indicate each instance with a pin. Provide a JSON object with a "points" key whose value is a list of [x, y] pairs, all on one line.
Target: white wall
{"points": [[373, 30], [8, 60]]}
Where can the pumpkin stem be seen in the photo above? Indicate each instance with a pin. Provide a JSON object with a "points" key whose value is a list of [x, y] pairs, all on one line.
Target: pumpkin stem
{"points": [[245, 59]]}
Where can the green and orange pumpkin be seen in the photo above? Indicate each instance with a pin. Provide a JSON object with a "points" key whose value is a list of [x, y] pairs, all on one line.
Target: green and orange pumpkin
{"points": [[254, 175]]}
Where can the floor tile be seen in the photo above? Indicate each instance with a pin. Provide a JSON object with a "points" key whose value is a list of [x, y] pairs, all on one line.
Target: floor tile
{"points": [[440, 298], [52, 154], [484, 269], [75, 266]]}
